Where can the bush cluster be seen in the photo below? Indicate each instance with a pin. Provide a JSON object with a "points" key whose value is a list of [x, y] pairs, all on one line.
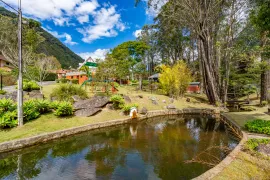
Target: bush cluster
{"points": [[2, 92], [115, 84], [252, 144], [118, 101], [64, 92], [51, 77], [258, 126], [126, 108], [30, 85], [74, 81], [32, 109]]}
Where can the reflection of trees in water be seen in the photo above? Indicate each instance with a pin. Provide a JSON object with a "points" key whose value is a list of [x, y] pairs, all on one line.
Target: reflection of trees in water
{"points": [[164, 144]]}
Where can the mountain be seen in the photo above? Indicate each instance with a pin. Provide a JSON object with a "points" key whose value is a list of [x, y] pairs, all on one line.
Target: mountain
{"points": [[52, 46]]}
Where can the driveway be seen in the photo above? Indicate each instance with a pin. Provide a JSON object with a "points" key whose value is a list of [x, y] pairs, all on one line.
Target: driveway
{"points": [[11, 89]]}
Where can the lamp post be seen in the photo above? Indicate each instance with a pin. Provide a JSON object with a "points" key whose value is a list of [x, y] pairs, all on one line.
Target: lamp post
{"points": [[20, 79]]}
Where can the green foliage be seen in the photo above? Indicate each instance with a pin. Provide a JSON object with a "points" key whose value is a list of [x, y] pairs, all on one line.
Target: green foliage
{"points": [[3, 92], [126, 108], [6, 105], [57, 81], [64, 109], [54, 105], [64, 92], [175, 80], [258, 126], [30, 85], [51, 77], [252, 144], [145, 82], [42, 106], [30, 110], [8, 119], [63, 80], [115, 84], [264, 103], [74, 81], [247, 108], [118, 101]]}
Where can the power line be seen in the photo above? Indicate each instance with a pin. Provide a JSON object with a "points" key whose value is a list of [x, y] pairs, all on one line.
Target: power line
{"points": [[9, 6]]}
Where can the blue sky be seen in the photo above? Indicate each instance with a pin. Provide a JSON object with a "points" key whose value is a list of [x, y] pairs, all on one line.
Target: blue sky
{"points": [[89, 27]]}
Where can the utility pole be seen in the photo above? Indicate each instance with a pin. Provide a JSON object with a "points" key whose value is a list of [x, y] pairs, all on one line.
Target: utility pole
{"points": [[20, 79]]}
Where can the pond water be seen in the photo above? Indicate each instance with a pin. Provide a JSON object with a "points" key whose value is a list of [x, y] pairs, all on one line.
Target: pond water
{"points": [[157, 148]]}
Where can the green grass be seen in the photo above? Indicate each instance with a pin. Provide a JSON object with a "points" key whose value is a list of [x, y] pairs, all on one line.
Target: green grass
{"points": [[50, 123]]}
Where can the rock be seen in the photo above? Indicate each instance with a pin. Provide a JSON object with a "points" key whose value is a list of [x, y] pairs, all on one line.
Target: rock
{"points": [[35, 92], [76, 98], [171, 100], [164, 101], [87, 112], [97, 102], [36, 96], [53, 99], [109, 106], [140, 96], [188, 100], [264, 149], [144, 110], [171, 106], [154, 102], [9, 96], [127, 98]]}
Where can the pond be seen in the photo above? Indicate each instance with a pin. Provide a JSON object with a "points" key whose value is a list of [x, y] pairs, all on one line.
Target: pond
{"points": [[157, 148]]}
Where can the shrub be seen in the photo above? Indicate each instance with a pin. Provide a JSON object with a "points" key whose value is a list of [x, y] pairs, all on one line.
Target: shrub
{"points": [[258, 126], [264, 103], [64, 109], [57, 81], [30, 85], [74, 81], [64, 92], [126, 108], [252, 144], [63, 80], [54, 105], [115, 84], [51, 77], [9, 120], [2, 92], [7, 105], [30, 110], [118, 101], [42, 106], [145, 83]]}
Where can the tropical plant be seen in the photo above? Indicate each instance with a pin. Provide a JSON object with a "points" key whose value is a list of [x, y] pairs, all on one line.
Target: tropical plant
{"points": [[64, 92], [118, 101], [3, 92], [42, 106], [258, 126], [30, 110], [9, 119], [126, 108], [6, 105], [64, 109]]}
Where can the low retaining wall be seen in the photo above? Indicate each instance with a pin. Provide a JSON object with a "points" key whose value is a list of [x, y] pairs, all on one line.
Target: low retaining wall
{"points": [[25, 142]]}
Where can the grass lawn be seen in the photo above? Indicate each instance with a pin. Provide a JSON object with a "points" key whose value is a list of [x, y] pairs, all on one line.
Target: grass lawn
{"points": [[50, 123], [246, 166]]}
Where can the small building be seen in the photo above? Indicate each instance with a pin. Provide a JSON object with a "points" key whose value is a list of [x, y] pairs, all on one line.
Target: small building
{"points": [[81, 76], [5, 64], [154, 77], [194, 87]]}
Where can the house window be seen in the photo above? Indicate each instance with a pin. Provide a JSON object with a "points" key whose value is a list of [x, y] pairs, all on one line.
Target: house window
{"points": [[7, 63], [71, 77]]}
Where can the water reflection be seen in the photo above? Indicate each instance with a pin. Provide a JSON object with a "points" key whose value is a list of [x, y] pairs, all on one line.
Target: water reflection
{"points": [[153, 149]]}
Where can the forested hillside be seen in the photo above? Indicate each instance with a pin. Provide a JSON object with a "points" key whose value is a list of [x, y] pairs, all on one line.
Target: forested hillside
{"points": [[51, 46]]}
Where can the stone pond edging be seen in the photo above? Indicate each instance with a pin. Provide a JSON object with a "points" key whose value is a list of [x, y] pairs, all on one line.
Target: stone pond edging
{"points": [[42, 138]]}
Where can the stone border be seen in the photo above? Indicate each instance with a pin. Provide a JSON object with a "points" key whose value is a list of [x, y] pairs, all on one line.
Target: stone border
{"points": [[26, 142], [210, 174]]}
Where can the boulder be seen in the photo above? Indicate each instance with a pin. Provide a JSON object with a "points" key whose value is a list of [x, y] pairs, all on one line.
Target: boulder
{"points": [[76, 98], [36, 96], [264, 149], [164, 101], [171, 106], [140, 96], [11, 96], [87, 112], [97, 102], [109, 106], [171, 100], [127, 98], [154, 102], [144, 110]]}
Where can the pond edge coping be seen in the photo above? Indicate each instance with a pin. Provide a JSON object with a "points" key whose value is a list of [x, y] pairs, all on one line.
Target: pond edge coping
{"points": [[45, 137]]}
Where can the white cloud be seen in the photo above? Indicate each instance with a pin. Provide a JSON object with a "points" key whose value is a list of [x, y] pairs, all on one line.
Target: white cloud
{"points": [[97, 54], [155, 7], [68, 38], [83, 19], [87, 7], [137, 33], [106, 23]]}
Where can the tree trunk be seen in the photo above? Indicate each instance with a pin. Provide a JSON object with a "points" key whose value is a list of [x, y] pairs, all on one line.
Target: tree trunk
{"points": [[264, 75], [140, 82]]}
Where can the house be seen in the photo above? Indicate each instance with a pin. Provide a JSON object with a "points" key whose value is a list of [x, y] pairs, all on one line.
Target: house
{"points": [[81, 76], [194, 87], [5, 64]]}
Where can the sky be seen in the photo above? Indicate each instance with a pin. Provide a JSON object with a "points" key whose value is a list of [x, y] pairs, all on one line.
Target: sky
{"points": [[89, 27]]}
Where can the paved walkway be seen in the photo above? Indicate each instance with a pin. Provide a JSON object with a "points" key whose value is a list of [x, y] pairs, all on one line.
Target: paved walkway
{"points": [[11, 89]]}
